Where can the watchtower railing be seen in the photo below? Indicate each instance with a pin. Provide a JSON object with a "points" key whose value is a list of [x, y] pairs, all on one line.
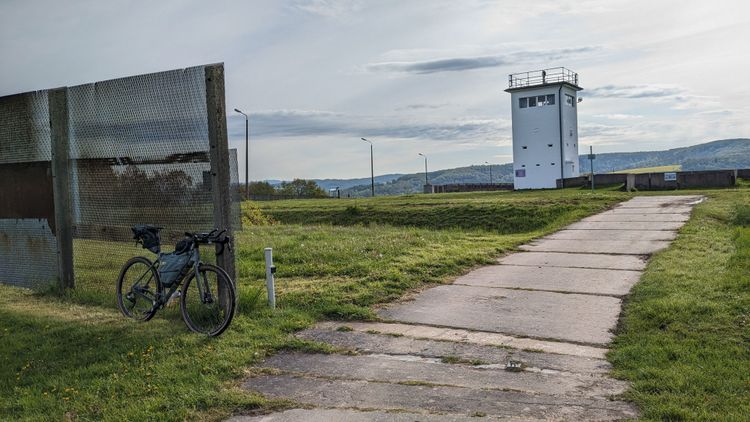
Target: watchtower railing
{"points": [[542, 77]]}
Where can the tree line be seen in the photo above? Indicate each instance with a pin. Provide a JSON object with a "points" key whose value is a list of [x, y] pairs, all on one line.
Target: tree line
{"points": [[298, 188]]}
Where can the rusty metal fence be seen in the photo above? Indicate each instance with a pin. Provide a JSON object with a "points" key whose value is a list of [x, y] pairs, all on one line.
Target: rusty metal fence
{"points": [[80, 165]]}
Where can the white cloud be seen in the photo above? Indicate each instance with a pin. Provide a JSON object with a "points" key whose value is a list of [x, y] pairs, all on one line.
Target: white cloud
{"points": [[328, 8]]}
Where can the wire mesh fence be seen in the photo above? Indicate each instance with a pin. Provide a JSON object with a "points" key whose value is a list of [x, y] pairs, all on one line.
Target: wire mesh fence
{"points": [[138, 152]]}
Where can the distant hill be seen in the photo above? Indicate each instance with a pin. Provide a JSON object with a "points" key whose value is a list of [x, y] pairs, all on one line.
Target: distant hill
{"points": [[327, 184], [412, 183], [716, 155], [723, 154]]}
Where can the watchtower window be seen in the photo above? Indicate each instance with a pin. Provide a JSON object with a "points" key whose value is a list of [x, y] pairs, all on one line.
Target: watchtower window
{"points": [[569, 100], [524, 147], [536, 101]]}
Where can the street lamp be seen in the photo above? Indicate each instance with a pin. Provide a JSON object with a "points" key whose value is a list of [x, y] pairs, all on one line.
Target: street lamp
{"points": [[425, 168], [247, 153], [490, 170], [372, 169]]}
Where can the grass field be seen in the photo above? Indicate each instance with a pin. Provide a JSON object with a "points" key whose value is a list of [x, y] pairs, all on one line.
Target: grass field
{"points": [[659, 169], [73, 356]]}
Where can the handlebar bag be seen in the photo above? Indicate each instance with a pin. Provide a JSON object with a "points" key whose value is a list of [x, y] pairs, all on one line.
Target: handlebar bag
{"points": [[171, 265]]}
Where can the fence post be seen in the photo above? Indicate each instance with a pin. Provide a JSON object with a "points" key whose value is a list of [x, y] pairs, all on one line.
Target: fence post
{"points": [[219, 155], [58, 122], [270, 271]]}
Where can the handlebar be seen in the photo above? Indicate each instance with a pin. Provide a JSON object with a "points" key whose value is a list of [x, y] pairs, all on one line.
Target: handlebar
{"points": [[212, 237]]}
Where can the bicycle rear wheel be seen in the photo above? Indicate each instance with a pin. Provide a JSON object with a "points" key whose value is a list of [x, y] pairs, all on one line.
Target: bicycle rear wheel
{"points": [[208, 308], [137, 289]]}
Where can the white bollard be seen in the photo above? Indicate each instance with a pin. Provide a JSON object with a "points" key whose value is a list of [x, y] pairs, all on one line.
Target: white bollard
{"points": [[270, 270]]}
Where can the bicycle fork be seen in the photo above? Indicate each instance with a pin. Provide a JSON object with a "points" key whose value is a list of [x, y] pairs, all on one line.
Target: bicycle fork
{"points": [[203, 287]]}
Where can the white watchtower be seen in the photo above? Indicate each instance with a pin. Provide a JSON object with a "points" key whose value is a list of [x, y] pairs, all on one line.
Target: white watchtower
{"points": [[545, 127]]}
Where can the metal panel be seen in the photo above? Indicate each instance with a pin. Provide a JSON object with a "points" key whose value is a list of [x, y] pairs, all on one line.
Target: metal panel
{"points": [[28, 250]]}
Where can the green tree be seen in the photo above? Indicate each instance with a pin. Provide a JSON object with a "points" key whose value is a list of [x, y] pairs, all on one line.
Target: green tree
{"points": [[302, 188], [261, 188]]}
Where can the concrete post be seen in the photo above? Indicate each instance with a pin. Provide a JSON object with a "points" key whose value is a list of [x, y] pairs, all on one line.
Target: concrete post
{"points": [[630, 182], [270, 285], [219, 155], [58, 116]]}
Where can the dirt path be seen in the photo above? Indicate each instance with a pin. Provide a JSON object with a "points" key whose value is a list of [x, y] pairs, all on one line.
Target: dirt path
{"points": [[521, 340]]}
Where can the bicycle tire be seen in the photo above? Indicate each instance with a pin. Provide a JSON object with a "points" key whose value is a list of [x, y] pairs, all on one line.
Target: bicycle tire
{"points": [[205, 318], [144, 314]]}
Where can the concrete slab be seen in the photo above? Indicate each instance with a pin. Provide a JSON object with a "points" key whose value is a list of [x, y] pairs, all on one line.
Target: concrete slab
{"points": [[576, 260], [560, 316], [620, 217], [419, 398], [626, 247], [471, 337], [638, 225], [412, 369], [573, 280], [613, 235], [372, 342], [349, 415], [677, 209], [650, 201]]}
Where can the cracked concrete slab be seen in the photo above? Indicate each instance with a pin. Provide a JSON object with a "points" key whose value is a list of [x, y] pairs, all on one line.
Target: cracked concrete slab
{"points": [[576, 260], [417, 370], [613, 235], [470, 336], [415, 398], [375, 342], [559, 316], [351, 415], [626, 247], [633, 225], [573, 280]]}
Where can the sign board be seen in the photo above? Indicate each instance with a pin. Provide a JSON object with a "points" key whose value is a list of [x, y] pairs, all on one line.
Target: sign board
{"points": [[521, 173], [591, 156], [670, 177]]}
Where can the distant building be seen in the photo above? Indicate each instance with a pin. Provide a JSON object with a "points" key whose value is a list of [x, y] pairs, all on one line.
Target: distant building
{"points": [[545, 126]]}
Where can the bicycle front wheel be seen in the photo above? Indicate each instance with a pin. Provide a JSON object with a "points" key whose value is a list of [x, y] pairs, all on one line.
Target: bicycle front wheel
{"points": [[208, 300], [137, 289]]}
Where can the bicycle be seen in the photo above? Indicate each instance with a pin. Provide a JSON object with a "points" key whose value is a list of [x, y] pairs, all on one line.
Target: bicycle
{"points": [[207, 294]]}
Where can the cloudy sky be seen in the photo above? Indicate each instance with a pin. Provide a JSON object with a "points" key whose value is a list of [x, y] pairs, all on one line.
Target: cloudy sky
{"points": [[413, 76]]}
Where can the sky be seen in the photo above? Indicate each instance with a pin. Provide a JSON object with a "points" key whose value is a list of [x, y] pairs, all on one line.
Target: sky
{"points": [[412, 76]]}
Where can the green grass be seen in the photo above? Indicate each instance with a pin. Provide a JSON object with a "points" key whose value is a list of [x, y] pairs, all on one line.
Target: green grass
{"points": [[74, 355], [685, 335], [658, 169]]}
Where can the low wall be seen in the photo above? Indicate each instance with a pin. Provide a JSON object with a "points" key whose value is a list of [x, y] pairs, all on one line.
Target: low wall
{"points": [[656, 181], [686, 179], [467, 187]]}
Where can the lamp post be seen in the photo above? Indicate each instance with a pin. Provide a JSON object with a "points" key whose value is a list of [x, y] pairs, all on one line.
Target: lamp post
{"points": [[372, 169], [425, 169], [490, 170], [247, 153]]}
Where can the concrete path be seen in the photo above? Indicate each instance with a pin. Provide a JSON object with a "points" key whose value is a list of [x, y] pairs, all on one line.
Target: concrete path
{"points": [[521, 340]]}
